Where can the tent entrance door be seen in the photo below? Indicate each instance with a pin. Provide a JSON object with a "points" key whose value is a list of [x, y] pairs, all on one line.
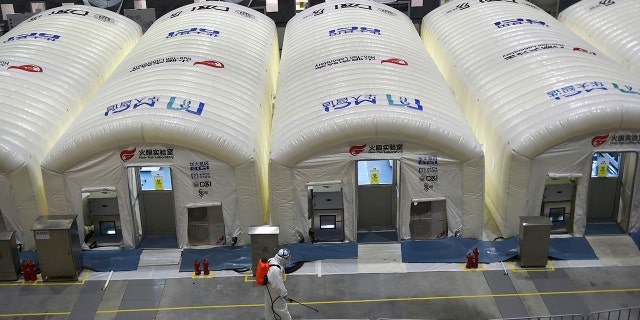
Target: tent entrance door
{"points": [[376, 201], [610, 192], [156, 216]]}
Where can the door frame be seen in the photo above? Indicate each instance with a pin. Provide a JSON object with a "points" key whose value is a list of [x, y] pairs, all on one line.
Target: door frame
{"points": [[137, 206], [395, 199], [627, 175]]}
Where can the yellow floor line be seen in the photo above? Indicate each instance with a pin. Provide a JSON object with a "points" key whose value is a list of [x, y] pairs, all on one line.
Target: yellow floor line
{"points": [[483, 268], [478, 296], [40, 314], [545, 269], [202, 275], [39, 282]]}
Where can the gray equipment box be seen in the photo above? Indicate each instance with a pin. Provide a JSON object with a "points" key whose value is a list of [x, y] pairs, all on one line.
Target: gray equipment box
{"points": [[326, 209], [264, 243], [103, 203], [533, 244], [58, 246], [9, 258], [103, 207]]}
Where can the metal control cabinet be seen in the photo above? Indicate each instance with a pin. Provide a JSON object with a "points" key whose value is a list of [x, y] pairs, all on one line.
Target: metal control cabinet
{"points": [[264, 243], [58, 247], [327, 211], [533, 243], [9, 258], [103, 207]]}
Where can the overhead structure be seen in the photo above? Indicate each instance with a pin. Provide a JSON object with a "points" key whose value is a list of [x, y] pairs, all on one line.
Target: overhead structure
{"points": [[179, 132], [50, 65], [610, 26], [559, 121], [366, 135]]}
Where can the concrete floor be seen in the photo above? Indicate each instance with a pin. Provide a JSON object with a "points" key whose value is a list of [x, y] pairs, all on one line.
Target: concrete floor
{"points": [[377, 285]]}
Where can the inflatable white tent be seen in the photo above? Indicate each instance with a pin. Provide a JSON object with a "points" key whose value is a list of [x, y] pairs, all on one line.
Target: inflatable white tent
{"points": [[559, 121], [610, 26], [50, 65], [190, 106], [363, 118]]}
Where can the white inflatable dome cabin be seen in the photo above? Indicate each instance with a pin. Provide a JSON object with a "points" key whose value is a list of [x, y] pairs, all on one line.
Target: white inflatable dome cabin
{"points": [[359, 95], [50, 65], [559, 121], [610, 26], [190, 108]]}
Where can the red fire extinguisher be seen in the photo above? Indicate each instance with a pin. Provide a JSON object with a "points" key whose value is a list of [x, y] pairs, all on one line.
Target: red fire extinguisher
{"points": [[32, 271], [196, 267], [205, 267], [469, 261], [476, 256], [25, 271]]}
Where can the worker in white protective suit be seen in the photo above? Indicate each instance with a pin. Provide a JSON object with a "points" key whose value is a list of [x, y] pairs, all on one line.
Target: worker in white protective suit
{"points": [[275, 293]]}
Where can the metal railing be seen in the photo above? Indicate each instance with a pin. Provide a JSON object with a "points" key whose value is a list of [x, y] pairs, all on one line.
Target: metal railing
{"points": [[632, 313], [616, 314], [551, 317]]}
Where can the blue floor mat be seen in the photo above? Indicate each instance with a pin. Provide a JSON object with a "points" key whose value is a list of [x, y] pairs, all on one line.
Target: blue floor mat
{"points": [[603, 228], [29, 256], [571, 248], [111, 260], [322, 251], [158, 242], [377, 237], [636, 238], [234, 258], [454, 250]]}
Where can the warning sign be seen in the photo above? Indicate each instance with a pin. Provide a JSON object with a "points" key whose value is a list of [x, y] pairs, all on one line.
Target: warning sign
{"points": [[603, 166]]}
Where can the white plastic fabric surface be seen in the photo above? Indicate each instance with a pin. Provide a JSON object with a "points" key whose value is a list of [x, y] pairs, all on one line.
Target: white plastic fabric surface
{"points": [[539, 98], [610, 26], [50, 65], [194, 94], [356, 83]]}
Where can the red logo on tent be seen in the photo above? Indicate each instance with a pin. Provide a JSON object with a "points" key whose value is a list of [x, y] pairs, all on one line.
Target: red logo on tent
{"points": [[599, 140], [356, 150], [395, 61], [127, 155], [210, 63], [584, 50], [27, 68]]}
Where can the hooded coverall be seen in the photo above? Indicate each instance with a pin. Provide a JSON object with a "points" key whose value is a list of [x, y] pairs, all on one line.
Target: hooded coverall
{"points": [[275, 306]]}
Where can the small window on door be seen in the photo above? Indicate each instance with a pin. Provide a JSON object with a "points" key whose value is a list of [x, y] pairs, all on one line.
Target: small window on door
{"points": [[155, 178], [605, 164], [375, 172]]}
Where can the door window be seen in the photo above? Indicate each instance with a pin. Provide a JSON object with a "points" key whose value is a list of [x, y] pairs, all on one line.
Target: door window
{"points": [[605, 164]]}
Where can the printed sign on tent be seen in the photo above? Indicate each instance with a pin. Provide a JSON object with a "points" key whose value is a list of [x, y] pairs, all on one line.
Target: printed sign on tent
{"points": [[603, 166], [201, 178], [374, 174], [158, 179]]}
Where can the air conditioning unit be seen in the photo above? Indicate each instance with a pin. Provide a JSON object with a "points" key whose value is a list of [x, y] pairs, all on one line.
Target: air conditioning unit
{"points": [[206, 225], [428, 219]]}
